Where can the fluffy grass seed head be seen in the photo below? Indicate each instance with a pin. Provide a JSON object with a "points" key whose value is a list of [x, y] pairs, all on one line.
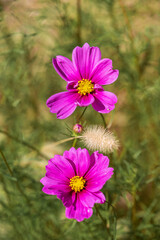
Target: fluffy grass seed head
{"points": [[100, 139]]}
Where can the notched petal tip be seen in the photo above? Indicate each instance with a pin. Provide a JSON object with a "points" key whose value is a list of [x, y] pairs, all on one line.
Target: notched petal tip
{"points": [[79, 212], [49, 102], [64, 67], [63, 104], [103, 73], [85, 45]]}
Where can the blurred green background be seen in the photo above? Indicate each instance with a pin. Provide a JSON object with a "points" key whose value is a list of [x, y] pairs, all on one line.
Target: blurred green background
{"points": [[31, 33]]}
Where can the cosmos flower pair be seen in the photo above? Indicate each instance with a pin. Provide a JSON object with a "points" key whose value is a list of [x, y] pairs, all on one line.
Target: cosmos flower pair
{"points": [[76, 177]]}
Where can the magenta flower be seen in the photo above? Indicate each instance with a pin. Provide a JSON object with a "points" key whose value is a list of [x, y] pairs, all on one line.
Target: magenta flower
{"points": [[84, 75], [76, 178]]}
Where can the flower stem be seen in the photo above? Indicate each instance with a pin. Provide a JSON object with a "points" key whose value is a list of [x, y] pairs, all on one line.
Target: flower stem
{"points": [[6, 163], [99, 214], [133, 211], [113, 208], [115, 218], [12, 175], [74, 142], [81, 115], [104, 122], [102, 219]]}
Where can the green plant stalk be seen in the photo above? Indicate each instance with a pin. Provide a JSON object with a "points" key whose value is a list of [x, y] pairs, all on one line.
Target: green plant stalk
{"points": [[99, 214], [81, 115], [133, 210], [102, 219], [115, 218], [12, 175], [74, 142], [104, 122]]}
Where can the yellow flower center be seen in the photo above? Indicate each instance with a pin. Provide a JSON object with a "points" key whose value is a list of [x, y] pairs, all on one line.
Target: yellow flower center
{"points": [[85, 86], [77, 183]]}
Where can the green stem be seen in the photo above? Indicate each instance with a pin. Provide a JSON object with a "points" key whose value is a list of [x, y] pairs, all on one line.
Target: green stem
{"points": [[113, 208], [6, 163], [104, 122], [12, 175], [133, 211], [115, 218], [102, 219], [99, 214], [6, 190], [74, 142], [82, 114]]}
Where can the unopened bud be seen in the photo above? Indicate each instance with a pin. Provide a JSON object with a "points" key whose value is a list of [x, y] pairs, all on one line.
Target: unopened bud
{"points": [[77, 128]]}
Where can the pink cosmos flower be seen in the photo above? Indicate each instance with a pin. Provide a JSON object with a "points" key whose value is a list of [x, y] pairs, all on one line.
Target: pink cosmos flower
{"points": [[84, 75], [76, 178]]}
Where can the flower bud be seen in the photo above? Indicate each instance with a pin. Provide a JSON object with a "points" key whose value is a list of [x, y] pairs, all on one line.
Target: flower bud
{"points": [[77, 128]]}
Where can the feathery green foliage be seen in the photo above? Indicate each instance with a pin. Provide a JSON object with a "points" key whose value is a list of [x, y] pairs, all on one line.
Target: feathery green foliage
{"points": [[31, 33]]}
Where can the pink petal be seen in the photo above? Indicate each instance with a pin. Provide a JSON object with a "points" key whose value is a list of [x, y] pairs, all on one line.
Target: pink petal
{"points": [[72, 86], [99, 172], [82, 162], [53, 186], [50, 191], [68, 199], [98, 87], [57, 166], [63, 104], [54, 189], [78, 211], [48, 182], [85, 100], [84, 59], [97, 182], [66, 111], [65, 69], [104, 101], [80, 159], [56, 174], [57, 179], [103, 73], [88, 199], [93, 57]]}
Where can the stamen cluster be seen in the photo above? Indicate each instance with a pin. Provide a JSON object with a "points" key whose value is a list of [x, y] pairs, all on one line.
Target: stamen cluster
{"points": [[77, 183], [85, 86]]}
